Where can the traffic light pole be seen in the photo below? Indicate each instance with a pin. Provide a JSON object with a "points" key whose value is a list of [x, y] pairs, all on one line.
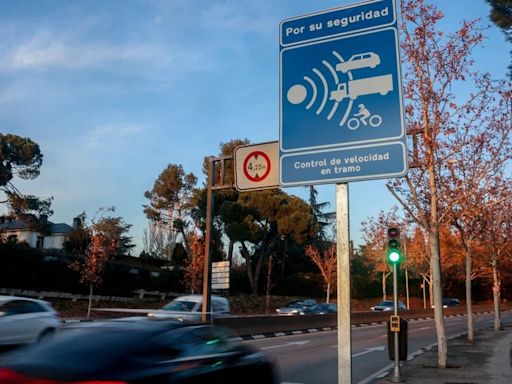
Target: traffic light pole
{"points": [[396, 370]]}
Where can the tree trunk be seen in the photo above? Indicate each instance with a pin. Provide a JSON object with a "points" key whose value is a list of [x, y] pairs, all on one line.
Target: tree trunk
{"points": [[269, 276], [424, 298], [431, 289], [185, 242], [257, 271], [407, 288], [230, 252], [442, 348], [328, 292], [496, 293], [90, 302], [248, 265], [384, 277], [469, 298]]}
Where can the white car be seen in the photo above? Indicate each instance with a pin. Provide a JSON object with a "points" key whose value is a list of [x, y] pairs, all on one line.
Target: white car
{"points": [[387, 305], [24, 320], [190, 308]]}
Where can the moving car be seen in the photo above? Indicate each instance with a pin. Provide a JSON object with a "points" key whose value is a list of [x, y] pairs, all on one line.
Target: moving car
{"points": [[138, 351], [190, 307], [24, 320], [387, 305], [187, 307], [322, 309], [297, 307], [449, 302]]}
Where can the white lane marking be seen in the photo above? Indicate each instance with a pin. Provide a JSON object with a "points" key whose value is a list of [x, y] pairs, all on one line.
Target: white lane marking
{"points": [[422, 329], [369, 350], [287, 344], [288, 382]]}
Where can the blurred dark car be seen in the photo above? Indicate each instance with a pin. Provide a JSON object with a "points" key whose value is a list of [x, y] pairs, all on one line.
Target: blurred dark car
{"points": [[149, 351], [387, 305], [298, 307], [450, 302], [322, 309]]}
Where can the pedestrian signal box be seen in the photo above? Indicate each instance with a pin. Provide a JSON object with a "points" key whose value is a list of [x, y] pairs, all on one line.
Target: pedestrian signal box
{"points": [[394, 323]]}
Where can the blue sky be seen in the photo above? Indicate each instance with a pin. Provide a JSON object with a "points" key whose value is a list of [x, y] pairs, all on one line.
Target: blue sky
{"points": [[113, 91]]}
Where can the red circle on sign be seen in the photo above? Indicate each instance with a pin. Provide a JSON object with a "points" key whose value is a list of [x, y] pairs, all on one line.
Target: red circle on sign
{"points": [[255, 155]]}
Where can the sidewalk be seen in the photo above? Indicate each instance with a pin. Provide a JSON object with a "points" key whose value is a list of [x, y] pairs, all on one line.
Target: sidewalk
{"points": [[487, 360]]}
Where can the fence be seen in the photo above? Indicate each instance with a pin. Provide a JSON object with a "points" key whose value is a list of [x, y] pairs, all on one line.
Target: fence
{"points": [[140, 294]]}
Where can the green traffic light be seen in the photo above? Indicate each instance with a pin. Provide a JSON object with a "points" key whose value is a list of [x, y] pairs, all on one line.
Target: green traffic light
{"points": [[394, 256]]}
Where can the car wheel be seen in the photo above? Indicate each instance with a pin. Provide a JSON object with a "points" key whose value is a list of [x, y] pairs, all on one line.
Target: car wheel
{"points": [[46, 335]]}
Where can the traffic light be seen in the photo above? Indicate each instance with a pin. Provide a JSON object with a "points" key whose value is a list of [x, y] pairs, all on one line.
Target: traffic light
{"points": [[393, 251]]}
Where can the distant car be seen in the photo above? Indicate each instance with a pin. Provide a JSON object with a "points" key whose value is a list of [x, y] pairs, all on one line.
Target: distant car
{"points": [[387, 305], [152, 351], [322, 309], [24, 320], [450, 302], [298, 307], [362, 60], [190, 307]]}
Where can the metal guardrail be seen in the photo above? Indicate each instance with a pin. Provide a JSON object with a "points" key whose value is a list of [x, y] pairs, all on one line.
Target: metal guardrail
{"points": [[139, 295]]}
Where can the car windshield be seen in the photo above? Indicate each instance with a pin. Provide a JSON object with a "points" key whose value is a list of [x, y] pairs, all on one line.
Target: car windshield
{"points": [[176, 305], [295, 305], [386, 303]]}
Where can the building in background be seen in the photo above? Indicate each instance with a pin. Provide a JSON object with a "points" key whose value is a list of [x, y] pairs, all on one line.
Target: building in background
{"points": [[20, 232]]}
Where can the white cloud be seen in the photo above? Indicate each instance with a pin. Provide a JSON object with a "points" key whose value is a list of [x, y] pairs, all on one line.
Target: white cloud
{"points": [[46, 50]]}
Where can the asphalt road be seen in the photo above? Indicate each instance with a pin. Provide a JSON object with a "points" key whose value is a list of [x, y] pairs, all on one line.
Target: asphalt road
{"points": [[312, 358]]}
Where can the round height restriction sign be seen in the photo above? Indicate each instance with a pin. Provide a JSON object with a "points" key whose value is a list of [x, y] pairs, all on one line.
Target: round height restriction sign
{"points": [[257, 166]]}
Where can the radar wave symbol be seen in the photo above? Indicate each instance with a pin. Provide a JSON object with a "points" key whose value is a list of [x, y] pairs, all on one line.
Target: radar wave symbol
{"points": [[298, 93]]}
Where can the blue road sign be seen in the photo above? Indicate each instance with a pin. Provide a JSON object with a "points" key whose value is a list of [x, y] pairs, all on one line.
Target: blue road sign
{"points": [[340, 96]]}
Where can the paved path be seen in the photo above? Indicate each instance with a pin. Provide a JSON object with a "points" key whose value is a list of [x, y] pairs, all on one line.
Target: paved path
{"points": [[486, 361]]}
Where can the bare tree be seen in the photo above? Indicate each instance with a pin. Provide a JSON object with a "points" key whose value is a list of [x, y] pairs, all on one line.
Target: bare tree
{"points": [[326, 263], [195, 263], [435, 63], [158, 242]]}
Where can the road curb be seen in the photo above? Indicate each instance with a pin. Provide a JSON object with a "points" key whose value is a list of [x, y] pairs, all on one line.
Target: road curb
{"points": [[290, 332], [258, 336]]}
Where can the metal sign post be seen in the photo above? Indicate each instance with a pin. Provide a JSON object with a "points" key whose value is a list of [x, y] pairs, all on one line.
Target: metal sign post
{"points": [[214, 173], [343, 260], [207, 288]]}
